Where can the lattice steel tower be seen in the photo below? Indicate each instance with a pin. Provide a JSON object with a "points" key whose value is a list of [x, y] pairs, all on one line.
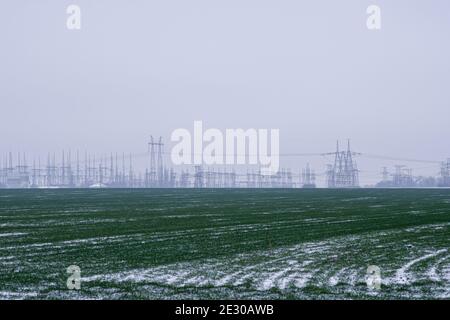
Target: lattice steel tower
{"points": [[344, 173]]}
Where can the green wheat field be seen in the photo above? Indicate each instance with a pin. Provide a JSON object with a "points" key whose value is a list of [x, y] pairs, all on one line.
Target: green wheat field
{"points": [[225, 243]]}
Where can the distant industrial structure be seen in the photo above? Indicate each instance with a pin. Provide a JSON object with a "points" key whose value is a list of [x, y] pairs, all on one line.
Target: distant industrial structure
{"points": [[403, 177], [444, 180], [116, 171], [308, 177], [344, 172]]}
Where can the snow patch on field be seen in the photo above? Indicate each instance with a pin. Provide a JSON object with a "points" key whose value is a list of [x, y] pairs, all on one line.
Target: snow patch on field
{"points": [[289, 268], [402, 276], [17, 295], [12, 234], [277, 268]]}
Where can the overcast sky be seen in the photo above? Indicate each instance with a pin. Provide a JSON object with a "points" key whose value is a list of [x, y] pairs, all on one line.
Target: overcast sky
{"points": [[310, 68]]}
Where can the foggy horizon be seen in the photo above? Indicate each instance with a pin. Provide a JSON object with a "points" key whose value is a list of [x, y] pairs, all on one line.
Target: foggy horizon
{"points": [[310, 69]]}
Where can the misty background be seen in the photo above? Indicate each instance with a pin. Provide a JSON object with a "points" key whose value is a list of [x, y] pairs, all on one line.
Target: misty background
{"points": [[310, 68]]}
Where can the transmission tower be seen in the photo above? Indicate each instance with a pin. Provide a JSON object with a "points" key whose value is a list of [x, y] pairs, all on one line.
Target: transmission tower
{"points": [[156, 173], [308, 177], [344, 172]]}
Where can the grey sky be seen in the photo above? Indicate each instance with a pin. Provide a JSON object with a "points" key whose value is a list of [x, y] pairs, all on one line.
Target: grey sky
{"points": [[309, 68]]}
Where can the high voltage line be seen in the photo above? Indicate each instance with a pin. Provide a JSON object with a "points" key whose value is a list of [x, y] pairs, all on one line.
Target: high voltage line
{"points": [[294, 154]]}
